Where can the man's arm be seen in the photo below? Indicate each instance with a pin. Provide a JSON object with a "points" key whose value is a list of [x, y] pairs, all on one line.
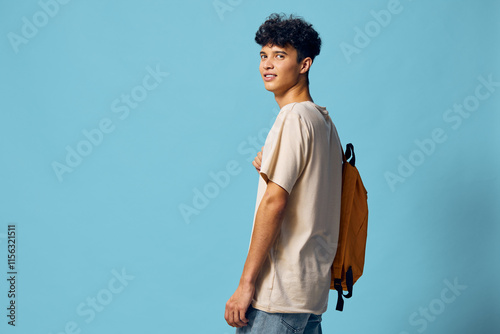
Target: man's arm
{"points": [[267, 225]]}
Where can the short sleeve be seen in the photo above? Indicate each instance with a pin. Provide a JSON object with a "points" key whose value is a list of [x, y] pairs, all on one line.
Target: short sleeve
{"points": [[285, 152]]}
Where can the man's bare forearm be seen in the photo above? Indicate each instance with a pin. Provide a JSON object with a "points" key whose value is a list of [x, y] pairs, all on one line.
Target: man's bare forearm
{"points": [[266, 228]]}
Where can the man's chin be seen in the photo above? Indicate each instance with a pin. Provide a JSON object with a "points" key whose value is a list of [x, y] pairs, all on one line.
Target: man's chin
{"points": [[269, 88]]}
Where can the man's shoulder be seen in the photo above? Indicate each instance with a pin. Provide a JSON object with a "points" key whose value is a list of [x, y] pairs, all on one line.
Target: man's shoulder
{"points": [[310, 114], [307, 109]]}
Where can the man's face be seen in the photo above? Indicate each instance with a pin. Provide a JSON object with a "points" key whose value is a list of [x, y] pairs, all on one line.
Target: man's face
{"points": [[279, 68]]}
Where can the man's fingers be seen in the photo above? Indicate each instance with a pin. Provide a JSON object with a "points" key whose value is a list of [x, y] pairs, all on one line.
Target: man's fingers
{"points": [[257, 162], [231, 319], [243, 317], [229, 315], [237, 319], [256, 165]]}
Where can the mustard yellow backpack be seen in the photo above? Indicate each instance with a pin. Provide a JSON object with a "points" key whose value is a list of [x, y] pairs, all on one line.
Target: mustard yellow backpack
{"points": [[349, 260]]}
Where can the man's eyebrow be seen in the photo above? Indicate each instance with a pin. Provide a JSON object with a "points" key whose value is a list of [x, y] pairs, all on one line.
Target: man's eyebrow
{"points": [[283, 52]]}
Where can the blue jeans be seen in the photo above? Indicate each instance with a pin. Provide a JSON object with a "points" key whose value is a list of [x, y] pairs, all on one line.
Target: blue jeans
{"points": [[260, 322]]}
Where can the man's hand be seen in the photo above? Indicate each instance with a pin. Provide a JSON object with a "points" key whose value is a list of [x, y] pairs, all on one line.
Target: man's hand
{"points": [[237, 305], [258, 160]]}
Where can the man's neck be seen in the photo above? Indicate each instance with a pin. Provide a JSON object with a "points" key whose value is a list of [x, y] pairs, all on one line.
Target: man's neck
{"points": [[295, 94]]}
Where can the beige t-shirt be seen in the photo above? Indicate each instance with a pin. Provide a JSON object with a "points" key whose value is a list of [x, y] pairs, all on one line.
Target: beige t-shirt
{"points": [[302, 154]]}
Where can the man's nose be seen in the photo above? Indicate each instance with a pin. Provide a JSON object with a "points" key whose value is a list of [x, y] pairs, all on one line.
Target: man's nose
{"points": [[267, 63]]}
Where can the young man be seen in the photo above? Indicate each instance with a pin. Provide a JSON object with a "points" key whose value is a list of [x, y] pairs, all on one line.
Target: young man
{"points": [[286, 278]]}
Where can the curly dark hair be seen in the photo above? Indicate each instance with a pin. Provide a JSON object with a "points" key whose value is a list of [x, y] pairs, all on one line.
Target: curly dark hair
{"points": [[281, 30]]}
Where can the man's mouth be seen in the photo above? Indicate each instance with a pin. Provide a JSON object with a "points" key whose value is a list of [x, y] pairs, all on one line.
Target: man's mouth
{"points": [[269, 77]]}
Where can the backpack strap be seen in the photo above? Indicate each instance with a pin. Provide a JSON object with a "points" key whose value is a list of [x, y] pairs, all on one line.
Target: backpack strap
{"points": [[349, 150], [349, 281], [340, 299]]}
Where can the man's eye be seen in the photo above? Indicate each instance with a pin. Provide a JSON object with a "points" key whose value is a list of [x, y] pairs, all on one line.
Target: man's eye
{"points": [[280, 56], [262, 56]]}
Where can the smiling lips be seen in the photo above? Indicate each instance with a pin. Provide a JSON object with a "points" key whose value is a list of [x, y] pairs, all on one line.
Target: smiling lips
{"points": [[269, 76]]}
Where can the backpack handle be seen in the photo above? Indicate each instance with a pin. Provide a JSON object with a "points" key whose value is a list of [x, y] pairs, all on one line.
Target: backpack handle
{"points": [[349, 154]]}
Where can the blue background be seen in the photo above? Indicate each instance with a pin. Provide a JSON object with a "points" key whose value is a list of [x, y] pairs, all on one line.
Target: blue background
{"points": [[119, 209]]}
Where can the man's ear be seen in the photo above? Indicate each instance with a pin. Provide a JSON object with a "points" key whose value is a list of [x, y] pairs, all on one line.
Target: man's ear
{"points": [[305, 65]]}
